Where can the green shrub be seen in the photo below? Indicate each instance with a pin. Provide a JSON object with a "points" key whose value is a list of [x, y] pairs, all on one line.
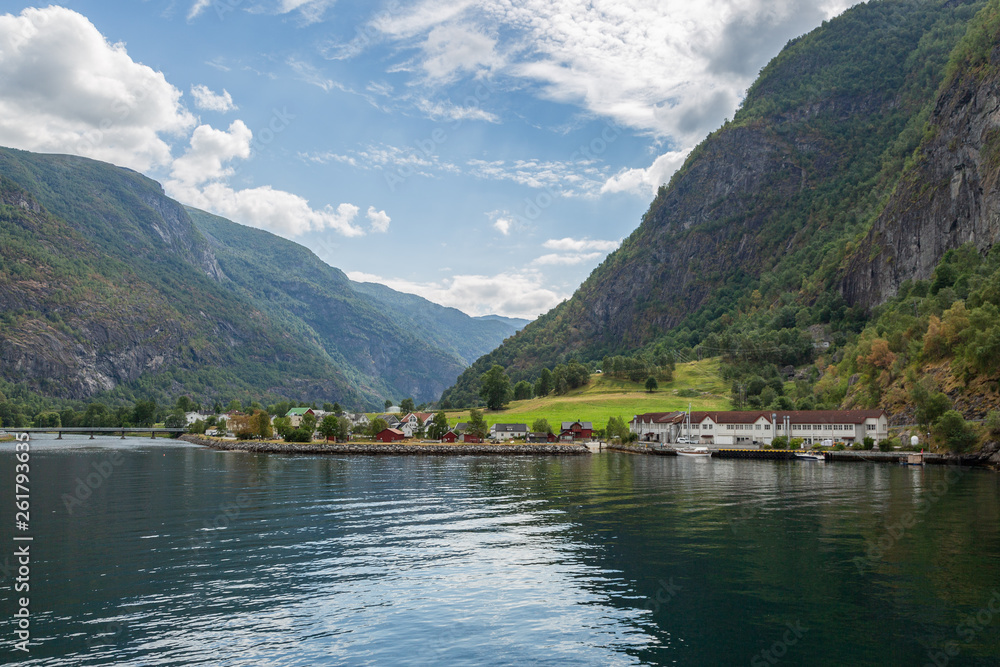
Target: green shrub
{"points": [[956, 434]]}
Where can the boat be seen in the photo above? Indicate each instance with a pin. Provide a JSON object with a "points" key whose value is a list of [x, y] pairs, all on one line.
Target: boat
{"points": [[810, 457], [701, 452]]}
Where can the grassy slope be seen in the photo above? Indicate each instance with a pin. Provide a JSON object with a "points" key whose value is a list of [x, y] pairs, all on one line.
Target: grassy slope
{"points": [[604, 398]]}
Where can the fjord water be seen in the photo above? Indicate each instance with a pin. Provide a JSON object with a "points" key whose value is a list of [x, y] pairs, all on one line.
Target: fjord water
{"points": [[184, 555]]}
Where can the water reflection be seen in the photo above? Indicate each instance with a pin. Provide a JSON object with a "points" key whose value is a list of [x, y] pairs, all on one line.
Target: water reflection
{"points": [[187, 556]]}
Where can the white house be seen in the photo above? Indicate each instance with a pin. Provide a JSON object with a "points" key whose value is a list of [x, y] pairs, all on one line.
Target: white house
{"points": [[735, 429], [508, 431]]}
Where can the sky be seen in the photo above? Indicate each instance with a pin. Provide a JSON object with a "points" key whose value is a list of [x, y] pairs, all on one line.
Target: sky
{"points": [[484, 154]]}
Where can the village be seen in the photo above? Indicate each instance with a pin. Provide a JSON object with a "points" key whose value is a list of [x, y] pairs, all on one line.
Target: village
{"points": [[859, 429]]}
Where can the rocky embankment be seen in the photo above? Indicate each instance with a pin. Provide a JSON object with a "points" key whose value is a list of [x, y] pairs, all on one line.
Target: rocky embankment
{"points": [[386, 449]]}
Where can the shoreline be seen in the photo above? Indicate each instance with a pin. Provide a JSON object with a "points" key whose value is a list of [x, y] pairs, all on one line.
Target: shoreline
{"points": [[394, 449]]}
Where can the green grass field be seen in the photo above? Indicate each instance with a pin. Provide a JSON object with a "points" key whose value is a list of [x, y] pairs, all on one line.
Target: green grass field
{"points": [[604, 398]]}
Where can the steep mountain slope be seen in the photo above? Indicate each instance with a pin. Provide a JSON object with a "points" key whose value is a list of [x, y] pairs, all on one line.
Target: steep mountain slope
{"points": [[450, 329], [111, 289], [317, 303], [761, 214], [950, 193]]}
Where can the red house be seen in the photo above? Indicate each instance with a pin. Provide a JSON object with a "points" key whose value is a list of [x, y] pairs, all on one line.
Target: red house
{"points": [[576, 431], [450, 436], [469, 437], [390, 435], [537, 437]]}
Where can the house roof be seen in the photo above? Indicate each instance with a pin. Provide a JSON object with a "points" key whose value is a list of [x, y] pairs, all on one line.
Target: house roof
{"points": [[297, 412], [585, 425], [520, 428], [461, 426], [794, 416], [391, 430]]}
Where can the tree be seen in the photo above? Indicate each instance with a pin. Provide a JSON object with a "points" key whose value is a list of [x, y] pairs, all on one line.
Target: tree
{"points": [[496, 390], [930, 405], [329, 427], [477, 423], [308, 423], [185, 404], [234, 406], [955, 433], [617, 428], [541, 426], [220, 427], [175, 420], [337, 410], [544, 385], [438, 427], [260, 424], [376, 426], [343, 429], [144, 413], [388, 403], [651, 384], [283, 426], [522, 390], [406, 406]]}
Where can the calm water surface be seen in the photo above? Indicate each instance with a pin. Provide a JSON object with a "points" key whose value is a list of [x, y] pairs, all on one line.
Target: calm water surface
{"points": [[184, 555]]}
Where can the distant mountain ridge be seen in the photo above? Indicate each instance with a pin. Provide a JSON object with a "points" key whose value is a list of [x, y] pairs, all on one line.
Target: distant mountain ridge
{"points": [[110, 288]]}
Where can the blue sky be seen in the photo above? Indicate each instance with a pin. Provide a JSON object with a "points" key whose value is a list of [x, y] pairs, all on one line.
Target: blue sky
{"points": [[485, 154]]}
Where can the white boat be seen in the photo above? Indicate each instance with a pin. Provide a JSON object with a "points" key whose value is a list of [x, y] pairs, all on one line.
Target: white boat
{"points": [[810, 457], [694, 451]]}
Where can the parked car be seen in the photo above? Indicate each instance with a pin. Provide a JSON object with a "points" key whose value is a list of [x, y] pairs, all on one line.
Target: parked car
{"points": [[683, 440]]}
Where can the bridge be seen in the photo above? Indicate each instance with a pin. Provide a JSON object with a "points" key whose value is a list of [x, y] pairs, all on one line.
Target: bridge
{"points": [[99, 430]]}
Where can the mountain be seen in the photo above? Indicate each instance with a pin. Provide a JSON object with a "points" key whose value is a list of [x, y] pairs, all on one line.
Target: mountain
{"points": [[111, 289], [516, 323], [763, 239], [466, 337]]}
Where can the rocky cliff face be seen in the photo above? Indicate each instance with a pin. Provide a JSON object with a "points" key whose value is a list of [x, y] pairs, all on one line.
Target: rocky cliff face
{"points": [[949, 197]]}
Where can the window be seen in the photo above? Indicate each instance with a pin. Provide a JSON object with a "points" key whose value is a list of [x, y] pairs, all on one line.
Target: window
{"points": [[767, 427], [870, 427], [729, 427], [758, 427]]}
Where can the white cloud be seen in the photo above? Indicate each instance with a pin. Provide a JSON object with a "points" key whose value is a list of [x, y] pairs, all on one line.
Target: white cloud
{"points": [[204, 98], [673, 68], [379, 220], [451, 49], [513, 294], [647, 181], [310, 74], [198, 179], [568, 260], [453, 112], [503, 225], [209, 151], [580, 245], [67, 89], [197, 8]]}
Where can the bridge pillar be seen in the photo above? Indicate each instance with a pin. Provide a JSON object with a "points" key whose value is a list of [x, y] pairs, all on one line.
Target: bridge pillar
{"points": [[123, 434], [59, 437], [152, 434], [91, 436]]}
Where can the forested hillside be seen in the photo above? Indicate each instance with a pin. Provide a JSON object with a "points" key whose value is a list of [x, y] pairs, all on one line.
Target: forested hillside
{"points": [[754, 248], [110, 290]]}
